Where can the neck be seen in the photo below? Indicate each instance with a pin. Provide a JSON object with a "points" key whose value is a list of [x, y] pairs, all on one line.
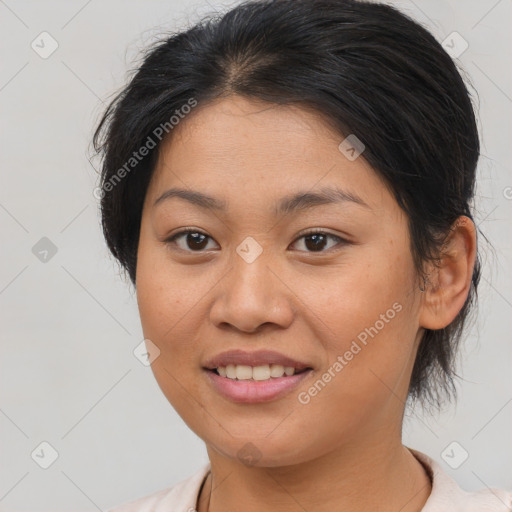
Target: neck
{"points": [[380, 476]]}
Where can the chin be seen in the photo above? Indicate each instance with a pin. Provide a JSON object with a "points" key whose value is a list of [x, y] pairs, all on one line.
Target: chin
{"points": [[260, 451]]}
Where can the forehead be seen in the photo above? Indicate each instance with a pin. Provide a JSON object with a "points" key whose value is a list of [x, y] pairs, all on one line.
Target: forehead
{"points": [[239, 148], [236, 127]]}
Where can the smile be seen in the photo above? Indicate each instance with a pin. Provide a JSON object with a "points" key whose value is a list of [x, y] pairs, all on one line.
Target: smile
{"points": [[251, 390], [262, 372]]}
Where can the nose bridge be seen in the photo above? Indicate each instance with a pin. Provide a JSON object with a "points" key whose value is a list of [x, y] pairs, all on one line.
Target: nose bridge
{"points": [[250, 295], [250, 280]]}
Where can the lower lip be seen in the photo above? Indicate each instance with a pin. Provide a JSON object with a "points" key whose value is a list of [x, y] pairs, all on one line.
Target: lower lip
{"points": [[255, 391]]}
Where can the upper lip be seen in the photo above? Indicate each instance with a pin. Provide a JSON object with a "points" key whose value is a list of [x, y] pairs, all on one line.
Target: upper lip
{"points": [[257, 358]]}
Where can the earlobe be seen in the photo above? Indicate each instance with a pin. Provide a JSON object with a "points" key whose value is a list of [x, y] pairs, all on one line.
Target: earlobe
{"points": [[449, 280]]}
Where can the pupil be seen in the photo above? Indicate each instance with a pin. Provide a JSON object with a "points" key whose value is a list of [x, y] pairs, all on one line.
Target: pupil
{"points": [[196, 239], [318, 241]]}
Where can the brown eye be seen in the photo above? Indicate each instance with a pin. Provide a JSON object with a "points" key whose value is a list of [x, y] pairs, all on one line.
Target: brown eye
{"points": [[189, 240], [317, 241]]}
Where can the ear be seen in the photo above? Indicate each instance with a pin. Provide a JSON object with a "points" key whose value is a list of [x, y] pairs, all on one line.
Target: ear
{"points": [[449, 280]]}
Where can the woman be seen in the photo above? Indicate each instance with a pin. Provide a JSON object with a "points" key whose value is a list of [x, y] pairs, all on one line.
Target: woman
{"points": [[288, 187]]}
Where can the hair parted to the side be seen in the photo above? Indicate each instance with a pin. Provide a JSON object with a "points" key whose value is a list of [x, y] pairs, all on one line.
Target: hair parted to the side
{"points": [[369, 69]]}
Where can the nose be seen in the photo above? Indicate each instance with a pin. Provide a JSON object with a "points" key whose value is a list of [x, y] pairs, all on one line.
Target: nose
{"points": [[252, 295]]}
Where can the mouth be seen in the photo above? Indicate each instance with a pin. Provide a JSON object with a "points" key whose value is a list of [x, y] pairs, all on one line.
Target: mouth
{"points": [[234, 361], [255, 377], [257, 373]]}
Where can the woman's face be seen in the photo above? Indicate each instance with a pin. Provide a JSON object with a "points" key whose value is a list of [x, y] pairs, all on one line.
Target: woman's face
{"points": [[248, 279]]}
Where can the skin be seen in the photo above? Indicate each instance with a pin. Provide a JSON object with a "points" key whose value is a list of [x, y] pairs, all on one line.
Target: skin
{"points": [[342, 450]]}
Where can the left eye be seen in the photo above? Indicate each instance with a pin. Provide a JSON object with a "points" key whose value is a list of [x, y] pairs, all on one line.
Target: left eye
{"points": [[316, 241]]}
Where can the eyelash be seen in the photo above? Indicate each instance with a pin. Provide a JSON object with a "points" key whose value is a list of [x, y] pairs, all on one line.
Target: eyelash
{"points": [[341, 241]]}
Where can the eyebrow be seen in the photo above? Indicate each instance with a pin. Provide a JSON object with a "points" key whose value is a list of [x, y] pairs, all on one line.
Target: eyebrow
{"points": [[292, 203]]}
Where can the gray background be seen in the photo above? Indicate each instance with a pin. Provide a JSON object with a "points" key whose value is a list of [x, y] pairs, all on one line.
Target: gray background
{"points": [[69, 325]]}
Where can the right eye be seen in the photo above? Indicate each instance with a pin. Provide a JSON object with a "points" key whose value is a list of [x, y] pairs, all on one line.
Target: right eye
{"points": [[190, 240]]}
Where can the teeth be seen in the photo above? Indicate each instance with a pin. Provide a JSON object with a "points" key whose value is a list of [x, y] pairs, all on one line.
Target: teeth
{"points": [[243, 372], [231, 371], [263, 372], [276, 370]]}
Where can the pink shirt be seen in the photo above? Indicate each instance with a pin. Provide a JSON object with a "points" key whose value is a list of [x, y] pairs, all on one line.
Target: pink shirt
{"points": [[446, 495]]}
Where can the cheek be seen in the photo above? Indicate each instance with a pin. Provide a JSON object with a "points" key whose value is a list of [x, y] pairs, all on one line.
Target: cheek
{"points": [[371, 331], [162, 294], [173, 307], [167, 309], [352, 297], [364, 384], [163, 300]]}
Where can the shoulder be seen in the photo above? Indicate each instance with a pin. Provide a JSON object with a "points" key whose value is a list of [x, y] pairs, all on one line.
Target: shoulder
{"points": [[182, 496], [446, 494]]}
